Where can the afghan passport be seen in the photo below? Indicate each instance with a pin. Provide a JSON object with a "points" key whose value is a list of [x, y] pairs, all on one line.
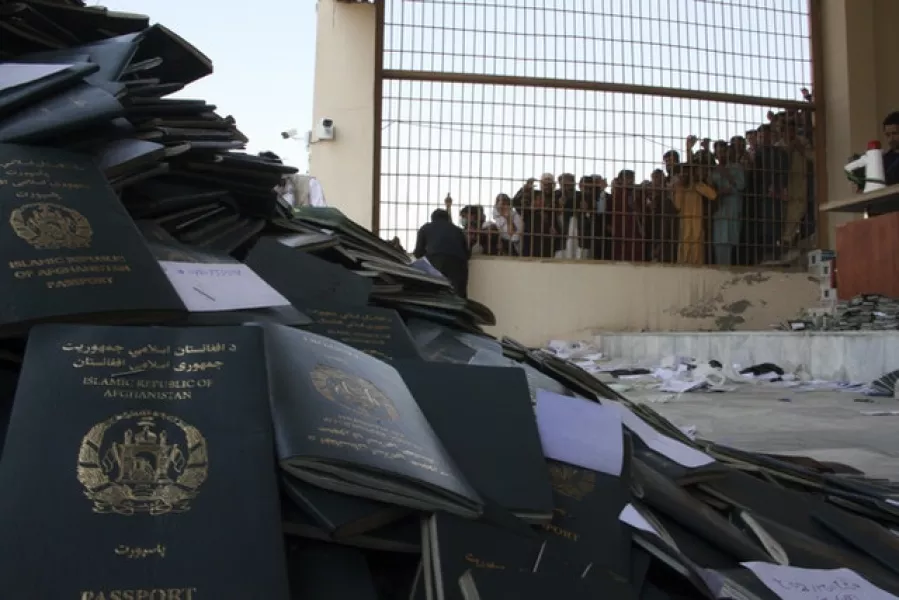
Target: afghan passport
{"points": [[346, 422], [139, 463], [68, 247]]}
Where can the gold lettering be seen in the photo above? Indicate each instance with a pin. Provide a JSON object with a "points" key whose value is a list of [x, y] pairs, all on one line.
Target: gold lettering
{"points": [[134, 552], [360, 436], [199, 366], [482, 564], [92, 348], [117, 362], [142, 594], [78, 282], [564, 533], [68, 270], [126, 394], [356, 329], [62, 266]]}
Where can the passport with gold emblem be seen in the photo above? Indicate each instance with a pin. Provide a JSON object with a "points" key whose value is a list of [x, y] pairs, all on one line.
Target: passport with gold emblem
{"points": [[68, 247], [585, 530], [139, 463], [452, 546], [346, 422]]}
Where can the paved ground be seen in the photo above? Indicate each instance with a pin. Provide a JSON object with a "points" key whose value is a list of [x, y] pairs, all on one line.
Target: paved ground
{"points": [[822, 425]]}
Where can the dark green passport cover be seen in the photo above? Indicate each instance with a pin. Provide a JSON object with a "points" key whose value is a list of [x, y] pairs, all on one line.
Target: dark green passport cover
{"points": [[141, 458], [68, 247]]}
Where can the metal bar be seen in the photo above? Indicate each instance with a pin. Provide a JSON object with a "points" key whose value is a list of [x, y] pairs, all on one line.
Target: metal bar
{"points": [[822, 220], [593, 86], [378, 117]]}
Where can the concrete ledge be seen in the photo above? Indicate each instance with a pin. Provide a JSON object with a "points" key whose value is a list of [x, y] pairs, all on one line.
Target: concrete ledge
{"points": [[839, 356]]}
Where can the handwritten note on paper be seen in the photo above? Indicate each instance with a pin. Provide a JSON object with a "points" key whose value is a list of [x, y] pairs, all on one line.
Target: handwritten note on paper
{"points": [[677, 451], [211, 287], [580, 432], [793, 583]]}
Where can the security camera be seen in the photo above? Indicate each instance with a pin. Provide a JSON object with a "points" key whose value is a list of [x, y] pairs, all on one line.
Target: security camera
{"points": [[290, 134], [325, 129]]}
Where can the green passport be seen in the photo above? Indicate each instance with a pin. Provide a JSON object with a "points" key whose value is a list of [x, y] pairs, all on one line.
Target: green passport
{"points": [[69, 249], [139, 463]]}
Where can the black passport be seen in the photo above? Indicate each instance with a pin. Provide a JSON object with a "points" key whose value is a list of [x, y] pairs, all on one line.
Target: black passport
{"points": [[451, 546], [304, 279], [403, 536], [502, 584], [379, 332], [9, 377], [338, 515], [320, 571], [345, 421], [138, 463], [69, 248], [467, 407], [585, 529]]}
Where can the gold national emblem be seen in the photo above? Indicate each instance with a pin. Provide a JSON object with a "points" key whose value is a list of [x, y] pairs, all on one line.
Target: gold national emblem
{"points": [[49, 226], [353, 393], [142, 462], [572, 482]]}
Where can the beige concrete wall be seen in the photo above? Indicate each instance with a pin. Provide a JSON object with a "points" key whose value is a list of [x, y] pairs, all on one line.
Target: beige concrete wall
{"points": [[344, 91], [539, 300]]}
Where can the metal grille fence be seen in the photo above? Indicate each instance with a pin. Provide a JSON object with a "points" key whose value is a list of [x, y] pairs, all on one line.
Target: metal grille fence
{"points": [[547, 123]]}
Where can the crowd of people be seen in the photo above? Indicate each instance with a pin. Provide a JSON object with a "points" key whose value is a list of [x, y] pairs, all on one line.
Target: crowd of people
{"points": [[746, 200]]}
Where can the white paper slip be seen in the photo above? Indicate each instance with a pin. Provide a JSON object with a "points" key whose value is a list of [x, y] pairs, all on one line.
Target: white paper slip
{"points": [[891, 501], [632, 517], [677, 451], [580, 432], [425, 266], [15, 74], [213, 287], [793, 583]]}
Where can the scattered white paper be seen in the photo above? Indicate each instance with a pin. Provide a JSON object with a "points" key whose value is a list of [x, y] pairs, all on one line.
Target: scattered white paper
{"points": [[635, 519], [679, 387], [574, 350], [213, 287], [669, 447], [588, 365], [580, 432], [793, 583]]}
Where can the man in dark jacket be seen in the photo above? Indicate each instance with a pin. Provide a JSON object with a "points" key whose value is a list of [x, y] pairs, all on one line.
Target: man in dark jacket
{"points": [[445, 247]]}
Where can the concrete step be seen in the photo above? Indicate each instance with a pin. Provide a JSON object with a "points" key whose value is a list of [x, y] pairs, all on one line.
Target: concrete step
{"points": [[857, 356]]}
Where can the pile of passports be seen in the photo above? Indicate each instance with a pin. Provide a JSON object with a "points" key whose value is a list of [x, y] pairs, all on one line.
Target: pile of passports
{"points": [[209, 393]]}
